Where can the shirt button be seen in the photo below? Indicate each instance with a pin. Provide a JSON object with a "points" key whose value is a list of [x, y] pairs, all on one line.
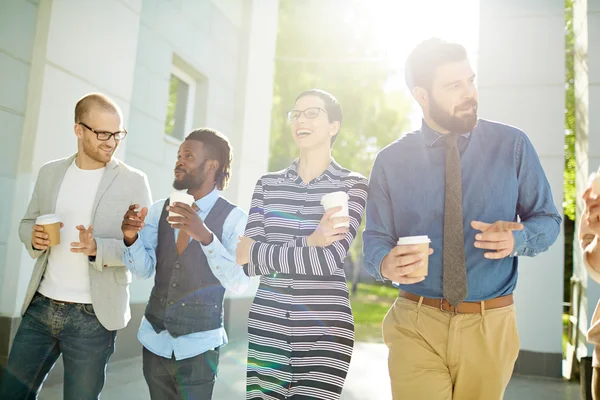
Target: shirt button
{"points": [[210, 252], [177, 265], [174, 284], [171, 302], [182, 304], [217, 267]]}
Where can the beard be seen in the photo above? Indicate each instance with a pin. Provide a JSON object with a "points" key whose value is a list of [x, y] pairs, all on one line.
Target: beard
{"points": [[451, 122], [95, 153], [190, 181]]}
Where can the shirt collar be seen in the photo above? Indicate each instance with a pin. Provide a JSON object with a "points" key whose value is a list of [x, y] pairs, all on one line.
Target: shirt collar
{"points": [[292, 171], [432, 137], [205, 203]]}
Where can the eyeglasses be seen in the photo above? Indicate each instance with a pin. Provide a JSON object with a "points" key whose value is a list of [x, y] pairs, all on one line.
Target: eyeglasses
{"points": [[103, 136], [309, 113]]}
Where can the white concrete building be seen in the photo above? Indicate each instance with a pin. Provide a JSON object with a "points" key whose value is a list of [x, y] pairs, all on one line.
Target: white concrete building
{"points": [[521, 83], [172, 65]]}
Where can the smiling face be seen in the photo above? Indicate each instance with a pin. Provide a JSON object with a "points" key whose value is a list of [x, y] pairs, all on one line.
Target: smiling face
{"points": [[100, 120], [310, 123]]}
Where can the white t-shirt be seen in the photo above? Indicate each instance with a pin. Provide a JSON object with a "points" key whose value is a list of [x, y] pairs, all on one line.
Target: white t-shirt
{"points": [[67, 274]]}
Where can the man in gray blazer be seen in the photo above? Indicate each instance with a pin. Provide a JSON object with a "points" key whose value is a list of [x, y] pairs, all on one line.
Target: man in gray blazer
{"points": [[78, 295]]}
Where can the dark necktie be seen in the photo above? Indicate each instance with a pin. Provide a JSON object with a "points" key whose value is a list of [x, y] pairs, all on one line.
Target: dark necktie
{"points": [[454, 265]]}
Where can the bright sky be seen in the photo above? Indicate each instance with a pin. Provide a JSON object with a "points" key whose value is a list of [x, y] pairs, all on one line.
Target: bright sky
{"points": [[401, 24]]}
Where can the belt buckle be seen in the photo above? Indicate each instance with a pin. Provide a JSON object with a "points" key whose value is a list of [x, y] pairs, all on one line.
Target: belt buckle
{"points": [[453, 311]]}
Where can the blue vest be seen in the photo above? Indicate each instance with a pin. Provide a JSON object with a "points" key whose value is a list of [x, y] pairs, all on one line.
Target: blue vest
{"points": [[186, 297]]}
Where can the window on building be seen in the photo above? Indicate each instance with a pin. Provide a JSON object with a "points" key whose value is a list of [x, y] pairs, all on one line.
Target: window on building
{"points": [[180, 106]]}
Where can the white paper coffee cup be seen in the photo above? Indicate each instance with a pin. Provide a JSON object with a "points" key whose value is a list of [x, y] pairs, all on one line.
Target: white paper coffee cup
{"points": [[337, 199], [51, 225], [180, 197], [423, 243]]}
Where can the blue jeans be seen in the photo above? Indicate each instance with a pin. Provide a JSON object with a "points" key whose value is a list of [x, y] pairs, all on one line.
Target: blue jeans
{"points": [[49, 329]]}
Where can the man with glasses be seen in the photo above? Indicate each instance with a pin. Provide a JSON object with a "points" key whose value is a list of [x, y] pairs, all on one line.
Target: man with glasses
{"points": [[78, 296]]}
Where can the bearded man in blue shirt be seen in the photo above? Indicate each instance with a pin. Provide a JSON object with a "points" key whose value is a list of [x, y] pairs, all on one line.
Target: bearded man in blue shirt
{"points": [[478, 190]]}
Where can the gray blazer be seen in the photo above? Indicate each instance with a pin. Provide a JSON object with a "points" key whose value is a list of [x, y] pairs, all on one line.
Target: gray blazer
{"points": [[120, 187]]}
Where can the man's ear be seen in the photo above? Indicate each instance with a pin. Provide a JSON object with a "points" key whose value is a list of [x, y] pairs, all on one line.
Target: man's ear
{"points": [[78, 129], [421, 95], [212, 165]]}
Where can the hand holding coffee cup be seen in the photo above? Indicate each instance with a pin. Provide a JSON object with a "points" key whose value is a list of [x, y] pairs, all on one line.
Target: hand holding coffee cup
{"points": [[46, 232], [337, 199], [407, 263], [327, 233], [180, 197]]}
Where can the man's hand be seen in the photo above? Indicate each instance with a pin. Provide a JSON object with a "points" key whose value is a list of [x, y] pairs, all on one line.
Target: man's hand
{"points": [[133, 222], [87, 243], [497, 236], [401, 261], [326, 234], [591, 214], [190, 222], [242, 252], [39, 238]]}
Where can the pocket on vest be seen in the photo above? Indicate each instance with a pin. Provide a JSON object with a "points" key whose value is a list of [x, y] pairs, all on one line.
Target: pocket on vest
{"points": [[123, 276]]}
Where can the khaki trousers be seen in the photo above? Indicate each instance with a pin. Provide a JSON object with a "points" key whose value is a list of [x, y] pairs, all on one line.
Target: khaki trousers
{"points": [[436, 355]]}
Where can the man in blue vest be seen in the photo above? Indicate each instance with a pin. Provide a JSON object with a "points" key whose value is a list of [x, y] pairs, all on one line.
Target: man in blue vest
{"points": [[193, 256]]}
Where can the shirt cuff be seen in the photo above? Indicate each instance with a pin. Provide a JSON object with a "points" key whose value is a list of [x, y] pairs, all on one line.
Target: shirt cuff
{"points": [[378, 260], [210, 250], [520, 243], [131, 250]]}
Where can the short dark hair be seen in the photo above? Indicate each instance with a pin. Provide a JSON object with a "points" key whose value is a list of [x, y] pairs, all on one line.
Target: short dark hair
{"points": [[95, 100], [426, 57], [218, 148], [332, 106]]}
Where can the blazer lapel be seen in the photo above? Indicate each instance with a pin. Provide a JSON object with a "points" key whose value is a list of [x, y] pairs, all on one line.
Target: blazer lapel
{"points": [[57, 179], [109, 175]]}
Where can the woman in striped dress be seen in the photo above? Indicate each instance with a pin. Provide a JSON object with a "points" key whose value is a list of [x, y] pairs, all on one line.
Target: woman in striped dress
{"points": [[300, 327]]}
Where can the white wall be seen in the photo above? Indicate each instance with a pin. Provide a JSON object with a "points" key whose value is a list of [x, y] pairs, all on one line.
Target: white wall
{"points": [[17, 35], [521, 83]]}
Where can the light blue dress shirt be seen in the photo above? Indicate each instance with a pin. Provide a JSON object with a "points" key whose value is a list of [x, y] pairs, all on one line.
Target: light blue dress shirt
{"points": [[140, 259]]}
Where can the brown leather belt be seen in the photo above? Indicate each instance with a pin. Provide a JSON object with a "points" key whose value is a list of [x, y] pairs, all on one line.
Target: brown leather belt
{"points": [[463, 308]]}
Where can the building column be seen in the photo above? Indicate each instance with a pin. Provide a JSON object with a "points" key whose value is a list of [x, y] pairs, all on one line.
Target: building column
{"points": [[586, 25], [521, 83]]}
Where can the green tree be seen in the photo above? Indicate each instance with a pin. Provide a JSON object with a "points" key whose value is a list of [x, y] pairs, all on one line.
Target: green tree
{"points": [[327, 45]]}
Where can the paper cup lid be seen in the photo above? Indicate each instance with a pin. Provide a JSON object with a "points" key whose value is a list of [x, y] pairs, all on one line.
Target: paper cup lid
{"points": [[181, 197], [47, 219], [414, 240], [334, 196]]}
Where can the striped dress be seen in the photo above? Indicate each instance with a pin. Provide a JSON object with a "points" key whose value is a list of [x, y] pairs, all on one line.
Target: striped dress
{"points": [[300, 327]]}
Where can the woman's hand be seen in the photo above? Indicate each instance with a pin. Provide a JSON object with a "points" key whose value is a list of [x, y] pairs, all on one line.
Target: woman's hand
{"points": [[326, 234]]}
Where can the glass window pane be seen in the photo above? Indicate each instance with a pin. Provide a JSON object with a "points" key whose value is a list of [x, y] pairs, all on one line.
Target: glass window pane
{"points": [[177, 108]]}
